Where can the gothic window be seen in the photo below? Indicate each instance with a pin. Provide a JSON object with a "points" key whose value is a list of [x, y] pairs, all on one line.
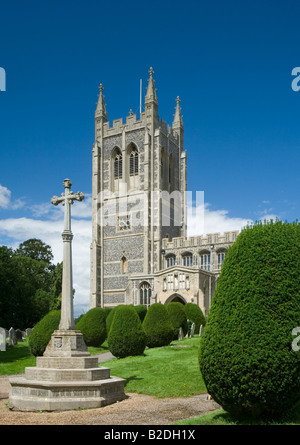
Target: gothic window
{"points": [[145, 294], [118, 165], [205, 261], [221, 258], [188, 259], [171, 260], [134, 162]]}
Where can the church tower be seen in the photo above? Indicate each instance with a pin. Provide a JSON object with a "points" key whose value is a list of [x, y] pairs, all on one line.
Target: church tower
{"points": [[138, 186]]}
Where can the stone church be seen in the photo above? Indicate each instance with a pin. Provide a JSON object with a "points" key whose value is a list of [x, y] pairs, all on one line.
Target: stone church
{"points": [[140, 253]]}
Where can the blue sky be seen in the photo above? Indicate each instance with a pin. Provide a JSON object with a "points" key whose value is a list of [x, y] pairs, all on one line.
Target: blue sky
{"points": [[229, 61]]}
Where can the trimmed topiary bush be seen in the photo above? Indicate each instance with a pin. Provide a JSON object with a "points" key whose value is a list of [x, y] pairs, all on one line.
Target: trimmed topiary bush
{"points": [[246, 355], [42, 331], [178, 318], [157, 326], [93, 326], [110, 317], [141, 310], [126, 336], [195, 315]]}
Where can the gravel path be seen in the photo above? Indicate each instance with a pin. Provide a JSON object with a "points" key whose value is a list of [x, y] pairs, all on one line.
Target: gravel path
{"points": [[136, 409]]}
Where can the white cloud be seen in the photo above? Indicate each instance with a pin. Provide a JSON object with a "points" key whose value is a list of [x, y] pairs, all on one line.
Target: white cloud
{"points": [[204, 221], [5, 196], [6, 202]]}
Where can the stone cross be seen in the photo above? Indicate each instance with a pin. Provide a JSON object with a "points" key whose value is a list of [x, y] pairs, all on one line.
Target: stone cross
{"points": [[67, 198]]}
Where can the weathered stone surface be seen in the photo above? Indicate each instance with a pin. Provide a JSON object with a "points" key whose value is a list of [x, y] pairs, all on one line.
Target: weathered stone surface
{"points": [[35, 395]]}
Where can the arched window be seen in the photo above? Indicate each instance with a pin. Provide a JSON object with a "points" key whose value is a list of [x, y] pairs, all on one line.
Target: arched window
{"points": [[171, 260], [221, 258], [134, 162], [205, 260], [118, 165], [145, 294], [188, 259]]}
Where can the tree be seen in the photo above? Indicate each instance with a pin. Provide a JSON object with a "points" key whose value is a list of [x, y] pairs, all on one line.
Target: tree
{"points": [[30, 285], [246, 356], [8, 287], [36, 249]]}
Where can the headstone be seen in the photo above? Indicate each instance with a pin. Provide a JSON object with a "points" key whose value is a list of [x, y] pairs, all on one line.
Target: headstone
{"points": [[2, 339], [12, 337], [28, 332], [19, 335], [200, 330], [180, 334], [192, 330]]}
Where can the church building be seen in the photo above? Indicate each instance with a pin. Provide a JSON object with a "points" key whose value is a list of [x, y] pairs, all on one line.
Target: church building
{"points": [[140, 253]]}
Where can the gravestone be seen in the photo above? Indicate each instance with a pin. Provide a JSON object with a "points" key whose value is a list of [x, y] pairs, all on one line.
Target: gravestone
{"points": [[180, 334], [2, 339], [12, 337], [19, 335], [192, 330], [66, 377], [28, 332]]}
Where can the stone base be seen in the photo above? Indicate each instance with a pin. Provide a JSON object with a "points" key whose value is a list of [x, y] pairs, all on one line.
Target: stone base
{"points": [[65, 378], [41, 395]]}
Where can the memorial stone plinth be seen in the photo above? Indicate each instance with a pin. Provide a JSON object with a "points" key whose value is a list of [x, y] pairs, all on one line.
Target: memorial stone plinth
{"points": [[66, 377]]}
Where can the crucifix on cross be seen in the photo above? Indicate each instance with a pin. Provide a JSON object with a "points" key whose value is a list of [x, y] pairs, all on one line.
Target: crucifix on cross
{"points": [[67, 198]]}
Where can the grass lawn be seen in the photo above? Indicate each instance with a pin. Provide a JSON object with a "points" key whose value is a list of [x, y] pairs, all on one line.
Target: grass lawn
{"points": [[170, 371], [14, 360], [221, 417]]}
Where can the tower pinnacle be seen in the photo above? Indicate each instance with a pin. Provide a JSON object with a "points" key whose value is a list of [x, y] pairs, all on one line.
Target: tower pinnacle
{"points": [[101, 106], [177, 122], [151, 91]]}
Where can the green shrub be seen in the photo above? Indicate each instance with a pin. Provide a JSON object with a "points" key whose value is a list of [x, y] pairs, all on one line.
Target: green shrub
{"points": [[178, 318], [107, 311], [110, 317], [195, 315], [42, 331], [141, 310], [157, 326], [126, 336], [93, 326], [246, 355]]}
